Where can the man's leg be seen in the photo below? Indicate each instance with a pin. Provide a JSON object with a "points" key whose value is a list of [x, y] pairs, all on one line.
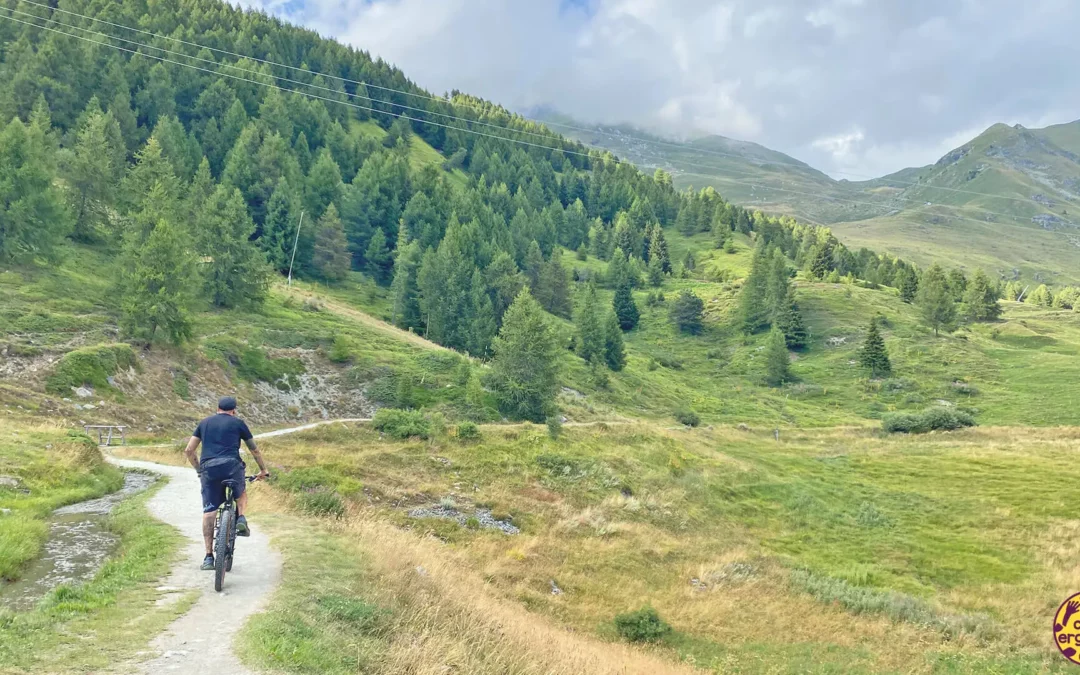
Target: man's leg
{"points": [[241, 503], [208, 520]]}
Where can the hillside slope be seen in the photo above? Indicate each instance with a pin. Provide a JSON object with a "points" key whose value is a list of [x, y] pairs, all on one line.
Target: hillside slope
{"points": [[1000, 202]]}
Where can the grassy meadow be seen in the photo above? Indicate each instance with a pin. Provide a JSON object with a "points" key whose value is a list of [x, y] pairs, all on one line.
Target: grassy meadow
{"points": [[952, 549]]}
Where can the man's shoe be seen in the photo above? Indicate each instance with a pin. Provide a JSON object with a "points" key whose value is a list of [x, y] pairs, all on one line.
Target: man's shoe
{"points": [[208, 563], [242, 527]]}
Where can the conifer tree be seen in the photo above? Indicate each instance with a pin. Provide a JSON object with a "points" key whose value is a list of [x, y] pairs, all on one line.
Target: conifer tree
{"points": [[1040, 296], [980, 299], [874, 356], [618, 271], [90, 174], [753, 311], [935, 300], [614, 349], [957, 284], [590, 329], [378, 259], [234, 273], [625, 309], [505, 281], [533, 265], [908, 284], [656, 272], [33, 216], [687, 311], [658, 250], [331, 256], [525, 364], [788, 319], [279, 230], [553, 288], [404, 291], [777, 360], [482, 326], [156, 284]]}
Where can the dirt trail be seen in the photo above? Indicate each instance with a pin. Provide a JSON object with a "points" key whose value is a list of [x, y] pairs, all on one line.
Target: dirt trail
{"points": [[201, 640], [378, 324]]}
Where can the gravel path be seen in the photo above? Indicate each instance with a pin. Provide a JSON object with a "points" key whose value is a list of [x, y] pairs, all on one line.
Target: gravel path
{"points": [[201, 640]]}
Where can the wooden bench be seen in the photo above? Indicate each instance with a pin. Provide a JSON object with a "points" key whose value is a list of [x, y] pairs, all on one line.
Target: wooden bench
{"points": [[105, 432]]}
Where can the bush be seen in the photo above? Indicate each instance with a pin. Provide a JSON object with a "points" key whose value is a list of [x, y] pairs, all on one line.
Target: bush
{"points": [[341, 350], [89, 366], [304, 479], [321, 503], [402, 424], [644, 625], [669, 360], [687, 417], [554, 426], [468, 431], [935, 418], [253, 365]]}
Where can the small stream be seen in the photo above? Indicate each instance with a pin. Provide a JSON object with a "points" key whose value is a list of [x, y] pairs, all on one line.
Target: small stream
{"points": [[77, 547]]}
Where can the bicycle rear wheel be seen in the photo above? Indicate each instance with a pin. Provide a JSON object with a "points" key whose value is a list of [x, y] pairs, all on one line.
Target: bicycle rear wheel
{"points": [[221, 547]]}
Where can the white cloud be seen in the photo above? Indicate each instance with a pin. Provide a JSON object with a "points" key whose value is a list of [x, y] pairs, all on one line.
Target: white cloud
{"points": [[899, 78]]}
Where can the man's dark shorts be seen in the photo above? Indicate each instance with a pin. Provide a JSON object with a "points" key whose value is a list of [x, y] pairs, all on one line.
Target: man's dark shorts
{"points": [[214, 473]]}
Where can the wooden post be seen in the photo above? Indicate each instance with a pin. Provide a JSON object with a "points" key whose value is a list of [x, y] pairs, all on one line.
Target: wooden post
{"points": [[123, 436], [108, 439]]}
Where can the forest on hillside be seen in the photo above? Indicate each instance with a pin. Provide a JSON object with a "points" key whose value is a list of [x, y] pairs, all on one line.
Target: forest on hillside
{"points": [[189, 137]]}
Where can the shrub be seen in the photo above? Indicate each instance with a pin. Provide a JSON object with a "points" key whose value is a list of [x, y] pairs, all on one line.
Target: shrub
{"points": [[253, 365], [304, 479], [935, 418], [687, 417], [89, 366], [468, 431], [669, 360], [554, 426], [321, 503], [402, 424], [180, 385], [340, 351], [354, 611], [644, 625]]}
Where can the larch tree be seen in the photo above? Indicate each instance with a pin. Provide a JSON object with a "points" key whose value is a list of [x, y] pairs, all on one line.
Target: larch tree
{"points": [[525, 363], [935, 300], [331, 256]]}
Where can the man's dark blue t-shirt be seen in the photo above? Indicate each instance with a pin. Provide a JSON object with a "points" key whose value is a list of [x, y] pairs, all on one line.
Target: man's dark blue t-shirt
{"points": [[221, 435]]}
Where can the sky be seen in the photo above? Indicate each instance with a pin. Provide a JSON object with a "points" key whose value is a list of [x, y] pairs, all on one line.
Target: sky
{"points": [[856, 88]]}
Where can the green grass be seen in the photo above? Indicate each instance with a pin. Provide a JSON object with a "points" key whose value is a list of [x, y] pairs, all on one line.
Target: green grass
{"points": [[102, 623], [938, 543], [54, 469]]}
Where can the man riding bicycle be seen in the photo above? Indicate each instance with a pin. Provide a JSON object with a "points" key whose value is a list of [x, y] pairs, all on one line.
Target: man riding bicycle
{"points": [[220, 436]]}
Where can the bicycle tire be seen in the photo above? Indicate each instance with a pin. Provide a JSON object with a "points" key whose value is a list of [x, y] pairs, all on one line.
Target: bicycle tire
{"points": [[221, 547]]}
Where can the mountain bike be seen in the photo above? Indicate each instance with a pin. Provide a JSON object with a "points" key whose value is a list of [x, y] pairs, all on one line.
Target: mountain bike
{"points": [[225, 533]]}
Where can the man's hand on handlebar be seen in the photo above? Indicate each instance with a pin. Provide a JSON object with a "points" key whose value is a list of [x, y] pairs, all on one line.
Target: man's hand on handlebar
{"points": [[262, 475]]}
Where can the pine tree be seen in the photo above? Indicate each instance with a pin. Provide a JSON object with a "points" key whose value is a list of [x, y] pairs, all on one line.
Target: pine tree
{"points": [[721, 235], [935, 300], [1040, 296], [525, 365], [618, 271], [873, 356], [614, 349], [909, 284], [505, 281], [90, 174], [687, 311], [404, 291], [156, 283], [658, 250], [957, 284], [33, 217], [331, 257], [754, 311], [378, 259], [625, 309], [788, 319], [777, 360], [980, 299], [533, 265], [553, 288], [235, 273], [482, 326], [279, 230], [656, 272], [590, 330]]}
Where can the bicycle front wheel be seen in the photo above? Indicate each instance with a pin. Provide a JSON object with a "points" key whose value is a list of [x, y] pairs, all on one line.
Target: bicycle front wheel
{"points": [[221, 547]]}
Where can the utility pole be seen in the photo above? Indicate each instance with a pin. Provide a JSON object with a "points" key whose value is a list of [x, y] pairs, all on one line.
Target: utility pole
{"points": [[295, 242]]}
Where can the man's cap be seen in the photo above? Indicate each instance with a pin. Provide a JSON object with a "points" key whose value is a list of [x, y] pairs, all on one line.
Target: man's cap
{"points": [[227, 403]]}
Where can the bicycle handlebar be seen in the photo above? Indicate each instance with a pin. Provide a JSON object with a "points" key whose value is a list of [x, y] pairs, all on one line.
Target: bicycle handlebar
{"points": [[252, 479]]}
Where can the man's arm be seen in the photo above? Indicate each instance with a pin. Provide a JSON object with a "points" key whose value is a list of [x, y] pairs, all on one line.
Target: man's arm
{"points": [[257, 454], [192, 445]]}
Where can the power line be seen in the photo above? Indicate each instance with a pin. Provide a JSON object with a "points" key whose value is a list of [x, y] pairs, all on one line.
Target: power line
{"points": [[452, 103], [445, 126], [465, 120]]}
